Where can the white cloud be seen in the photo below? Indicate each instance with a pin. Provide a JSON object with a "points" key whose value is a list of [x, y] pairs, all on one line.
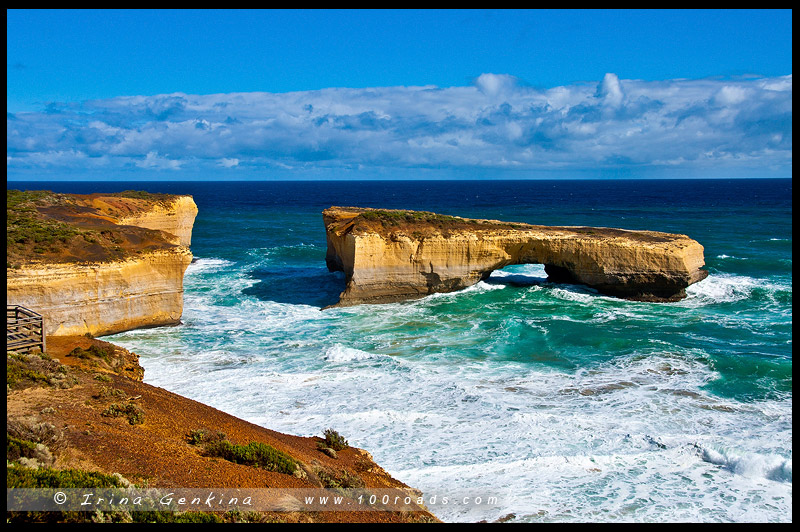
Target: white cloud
{"points": [[497, 123], [153, 161], [730, 95], [610, 91], [495, 84]]}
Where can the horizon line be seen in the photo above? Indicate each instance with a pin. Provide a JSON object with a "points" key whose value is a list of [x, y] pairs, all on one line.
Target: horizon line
{"points": [[382, 180]]}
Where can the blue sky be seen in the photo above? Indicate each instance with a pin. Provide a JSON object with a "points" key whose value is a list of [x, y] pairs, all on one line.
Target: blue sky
{"points": [[398, 94]]}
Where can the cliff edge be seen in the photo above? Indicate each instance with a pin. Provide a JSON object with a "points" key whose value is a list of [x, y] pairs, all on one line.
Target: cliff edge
{"points": [[395, 255], [98, 263], [80, 416]]}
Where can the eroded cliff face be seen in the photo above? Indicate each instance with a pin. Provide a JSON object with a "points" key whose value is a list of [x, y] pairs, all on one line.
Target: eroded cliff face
{"points": [[175, 217], [121, 267], [397, 255], [104, 298]]}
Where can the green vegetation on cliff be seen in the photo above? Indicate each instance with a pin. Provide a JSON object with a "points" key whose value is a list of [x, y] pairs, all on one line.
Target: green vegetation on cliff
{"points": [[43, 226], [386, 217], [44, 477], [35, 369], [256, 454], [421, 219], [27, 230], [141, 194], [334, 440]]}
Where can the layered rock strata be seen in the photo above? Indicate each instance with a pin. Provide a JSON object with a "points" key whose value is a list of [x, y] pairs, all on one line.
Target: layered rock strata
{"points": [[104, 298], [175, 217], [81, 287], [389, 255]]}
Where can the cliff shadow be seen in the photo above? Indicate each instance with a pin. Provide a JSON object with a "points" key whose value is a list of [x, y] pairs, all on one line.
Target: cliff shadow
{"points": [[316, 287]]}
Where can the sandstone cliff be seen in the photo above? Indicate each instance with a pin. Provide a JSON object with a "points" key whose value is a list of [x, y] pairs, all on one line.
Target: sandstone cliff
{"points": [[81, 263], [175, 217], [397, 255], [104, 298]]}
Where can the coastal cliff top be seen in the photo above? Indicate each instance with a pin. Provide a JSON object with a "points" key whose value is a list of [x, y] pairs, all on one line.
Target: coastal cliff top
{"points": [[85, 402], [389, 222], [48, 227]]}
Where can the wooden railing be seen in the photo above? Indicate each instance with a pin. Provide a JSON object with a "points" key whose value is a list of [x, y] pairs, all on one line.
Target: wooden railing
{"points": [[25, 329]]}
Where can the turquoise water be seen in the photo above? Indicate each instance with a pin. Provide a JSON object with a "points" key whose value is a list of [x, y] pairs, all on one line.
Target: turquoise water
{"points": [[565, 404]]}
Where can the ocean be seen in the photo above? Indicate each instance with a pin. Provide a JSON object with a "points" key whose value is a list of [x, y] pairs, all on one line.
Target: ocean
{"points": [[564, 404]]}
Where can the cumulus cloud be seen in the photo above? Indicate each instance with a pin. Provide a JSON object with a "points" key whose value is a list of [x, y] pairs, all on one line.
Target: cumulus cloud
{"points": [[496, 122], [610, 91], [495, 84], [154, 161], [730, 95]]}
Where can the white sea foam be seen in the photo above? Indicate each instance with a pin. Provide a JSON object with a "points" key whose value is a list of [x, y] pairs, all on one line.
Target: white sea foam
{"points": [[771, 466], [477, 288], [572, 295], [729, 288], [339, 353], [553, 437], [206, 265], [634, 438], [720, 288], [522, 273]]}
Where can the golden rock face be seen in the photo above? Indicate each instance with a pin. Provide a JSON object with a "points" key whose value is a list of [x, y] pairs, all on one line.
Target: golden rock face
{"points": [[144, 289], [176, 218], [398, 255], [104, 298]]}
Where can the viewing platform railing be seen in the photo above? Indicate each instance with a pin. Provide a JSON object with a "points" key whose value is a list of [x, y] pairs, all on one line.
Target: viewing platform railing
{"points": [[25, 329]]}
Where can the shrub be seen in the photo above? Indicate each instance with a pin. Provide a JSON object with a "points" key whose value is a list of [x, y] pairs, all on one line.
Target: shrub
{"points": [[17, 373], [134, 413], [23, 477], [255, 454], [338, 479], [198, 436], [30, 441], [33, 369], [44, 477], [106, 392], [34, 431], [94, 351], [17, 448], [334, 440]]}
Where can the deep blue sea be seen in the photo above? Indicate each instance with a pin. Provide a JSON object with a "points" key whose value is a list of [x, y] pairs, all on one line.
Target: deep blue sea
{"points": [[565, 404]]}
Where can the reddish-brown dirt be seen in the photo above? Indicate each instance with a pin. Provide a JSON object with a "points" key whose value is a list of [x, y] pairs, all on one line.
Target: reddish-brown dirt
{"points": [[157, 453]]}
